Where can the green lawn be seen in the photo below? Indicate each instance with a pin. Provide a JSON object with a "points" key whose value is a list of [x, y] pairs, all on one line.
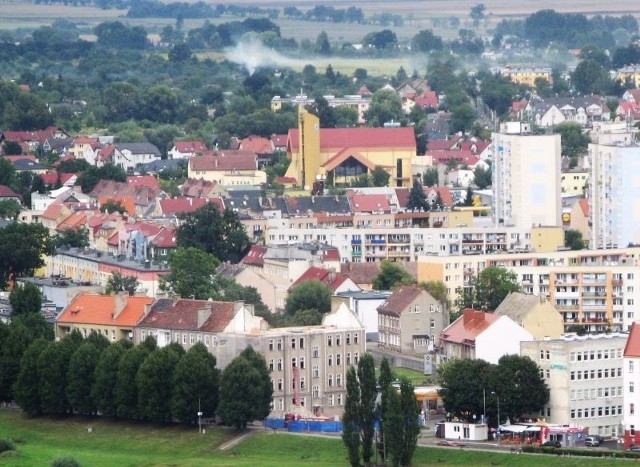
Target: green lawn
{"points": [[41, 440]]}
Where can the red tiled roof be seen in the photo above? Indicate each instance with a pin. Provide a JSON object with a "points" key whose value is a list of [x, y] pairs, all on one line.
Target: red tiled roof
{"points": [[100, 309], [329, 278], [82, 140], [190, 146], [443, 144], [364, 91], [172, 206], [400, 299], [279, 141], [14, 159], [257, 144], [51, 178], [166, 238], [126, 202], [255, 255], [330, 254], [6, 192], [632, 347], [286, 180], [183, 314], [361, 273], [345, 154], [53, 211], [66, 157], [466, 328], [144, 180], [73, 221], [429, 99], [369, 203], [225, 160], [445, 194], [635, 93], [379, 137], [519, 105], [114, 239], [442, 157]]}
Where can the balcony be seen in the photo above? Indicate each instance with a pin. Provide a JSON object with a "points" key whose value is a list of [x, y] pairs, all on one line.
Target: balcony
{"points": [[356, 253]]}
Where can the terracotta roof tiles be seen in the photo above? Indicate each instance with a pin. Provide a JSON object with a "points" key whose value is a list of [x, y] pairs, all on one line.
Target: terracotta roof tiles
{"points": [[100, 310]]}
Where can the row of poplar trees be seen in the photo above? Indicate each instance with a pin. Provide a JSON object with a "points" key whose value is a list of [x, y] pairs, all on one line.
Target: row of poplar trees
{"points": [[91, 376], [376, 404]]}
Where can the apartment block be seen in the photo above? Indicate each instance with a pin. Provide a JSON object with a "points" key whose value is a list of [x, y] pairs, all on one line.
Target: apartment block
{"points": [[584, 376], [631, 385]]}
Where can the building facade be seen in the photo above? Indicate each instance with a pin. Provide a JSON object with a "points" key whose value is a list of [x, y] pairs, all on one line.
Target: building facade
{"points": [[584, 376]]}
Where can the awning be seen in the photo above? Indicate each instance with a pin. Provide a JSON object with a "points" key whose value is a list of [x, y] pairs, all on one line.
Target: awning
{"points": [[513, 428], [533, 428]]}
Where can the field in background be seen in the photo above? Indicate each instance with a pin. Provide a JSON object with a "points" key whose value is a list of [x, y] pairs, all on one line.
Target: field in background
{"points": [[40, 440]]}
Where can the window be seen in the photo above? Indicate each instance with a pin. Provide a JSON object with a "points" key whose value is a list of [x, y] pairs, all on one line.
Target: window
{"points": [[280, 384], [355, 338], [271, 364], [207, 340], [315, 392], [329, 340], [631, 386], [632, 408], [293, 343], [191, 338], [302, 385], [330, 399], [279, 344], [338, 339], [302, 342], [315, 371], [294, 362], [355, 358], [279, 364], [302, 362], [315, 353], [143, 335], [330, 359], [348, 358], [338, 359], [348, 338], [184, 338], [330, 380], [339, 379], [339, 399]]}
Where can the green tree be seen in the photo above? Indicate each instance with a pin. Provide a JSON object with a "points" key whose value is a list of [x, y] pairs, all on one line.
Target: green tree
{"points": [[401, 424], [477, 14], [464, 384], [573, 239], [195, 385], [323, 47], [112, 205], [590, 77], [368, 395], [310, 295], [53, 365], [425, 41], [180, 53], [462, 117], [351, 419], [346, 116], [417, 199], [90, 177], [11, 148], [517, 382], [26, 389], [14, 345], [103, 391], [482, 177], [126, 388], [72, 238], [80, 378], [573, 140], [22, 249], [25, 299], [380, 177], [490, 288], [305, 318], [72, 166], [437, 289], [155, 384], [120, 283], [221, 235], [385, 107], [385, 379], [9, 209], [431, 177], [391, 275], [192, 274], [245, 390]]}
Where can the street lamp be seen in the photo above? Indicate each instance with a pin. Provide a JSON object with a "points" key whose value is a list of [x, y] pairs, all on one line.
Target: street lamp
{"points": [[498, 401], [199, 417]]}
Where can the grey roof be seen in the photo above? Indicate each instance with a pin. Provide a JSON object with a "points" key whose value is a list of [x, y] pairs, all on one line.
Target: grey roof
{"points": [[160, 164], [250, 200], [140, 148], [365, 294], [27, 164], [543, 105], [302, 204], [518, 305]]}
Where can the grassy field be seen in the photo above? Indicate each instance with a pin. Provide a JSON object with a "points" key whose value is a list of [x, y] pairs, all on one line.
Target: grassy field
{"points": [[41, 440]]}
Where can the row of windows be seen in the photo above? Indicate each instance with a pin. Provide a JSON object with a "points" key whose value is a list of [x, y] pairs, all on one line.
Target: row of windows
{"points": [[593, 393], [333, 400], [182, 337], [592, 355], [596, 374], [277, 364], [596, 412], [279, 385], [299, 343]]}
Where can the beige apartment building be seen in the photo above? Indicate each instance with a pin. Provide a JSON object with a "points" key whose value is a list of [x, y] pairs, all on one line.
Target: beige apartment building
{"points": [[584, 376], [308, 364]]}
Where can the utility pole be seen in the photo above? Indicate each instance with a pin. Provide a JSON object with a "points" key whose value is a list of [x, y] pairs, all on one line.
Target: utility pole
{"points": [[199, 417]]}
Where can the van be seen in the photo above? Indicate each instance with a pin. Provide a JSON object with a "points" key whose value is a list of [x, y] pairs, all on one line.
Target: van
{"points": [[591, 441]]}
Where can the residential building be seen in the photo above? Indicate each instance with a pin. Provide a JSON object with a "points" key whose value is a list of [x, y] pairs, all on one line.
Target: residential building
{"points": [[248, 277], [481, 335], [336, 281], [550, 111], [631, 73], [614, 157], [534, 313], [187, 149], [343, 154], [580, 219], [364, 304], [528, 75], [631, 385], [128, 155], [526, 177], [410, 321], [309, 364], [574, 182], [358, 102], [225, 328], [593, 289], [113, 316], [584, 376], [227, 168]]}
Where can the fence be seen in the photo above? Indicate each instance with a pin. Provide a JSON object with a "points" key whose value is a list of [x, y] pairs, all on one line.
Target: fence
{"points": [[298, 426]]}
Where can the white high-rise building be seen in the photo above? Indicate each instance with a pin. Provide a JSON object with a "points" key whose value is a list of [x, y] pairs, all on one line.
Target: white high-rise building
{"points": [[614, 188], [526, 177]]}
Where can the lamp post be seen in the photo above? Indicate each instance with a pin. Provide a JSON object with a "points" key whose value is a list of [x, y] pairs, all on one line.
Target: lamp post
{"points": [[484, 406], [498, 401], [199, 417]]}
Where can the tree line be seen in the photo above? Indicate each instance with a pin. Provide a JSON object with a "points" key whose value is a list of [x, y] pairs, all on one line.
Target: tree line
{"points": [[91, 376]]}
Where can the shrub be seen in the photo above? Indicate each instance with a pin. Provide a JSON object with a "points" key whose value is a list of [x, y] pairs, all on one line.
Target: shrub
{"points": [[7, 445], [66, 461]]}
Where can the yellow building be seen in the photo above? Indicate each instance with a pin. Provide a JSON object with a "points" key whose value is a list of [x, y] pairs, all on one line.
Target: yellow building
{"points": [[528, 75], [631, 73], [340, 155], [534, 313], [574, 182], [227, 168]]}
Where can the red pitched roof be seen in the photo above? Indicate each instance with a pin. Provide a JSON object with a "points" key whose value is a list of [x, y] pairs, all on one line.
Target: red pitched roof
{"points": [[6, 192], [190, 146], [126, 202], [279, 141], [100, 309], [179, 205], [345, 154], [14, 159], [361, 273], [255, 255], [400, 299], [466, 328], [183, 314], [166, 238], [429, 99], [379, 137], [584, 205], [286, 180], [257, 144], [66, 157], [329, 278], [461, 156], [443, 144], [369, 203], [93, 142], [635, 93], [632, 347], [144, 180], [51, 178], [225, 160], [445, 194], [73, 221]]}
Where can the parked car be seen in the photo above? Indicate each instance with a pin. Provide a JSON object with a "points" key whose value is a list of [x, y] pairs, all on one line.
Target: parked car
{"points": [[552, 443], [591, 441], [634, 448]]}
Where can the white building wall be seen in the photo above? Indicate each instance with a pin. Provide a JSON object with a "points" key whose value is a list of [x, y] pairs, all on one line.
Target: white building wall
{"points": [[503, 337]]}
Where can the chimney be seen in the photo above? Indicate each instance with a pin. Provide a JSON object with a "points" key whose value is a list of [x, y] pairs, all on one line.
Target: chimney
{"points": [[119, 303], [203, 315], [470, 315]]}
